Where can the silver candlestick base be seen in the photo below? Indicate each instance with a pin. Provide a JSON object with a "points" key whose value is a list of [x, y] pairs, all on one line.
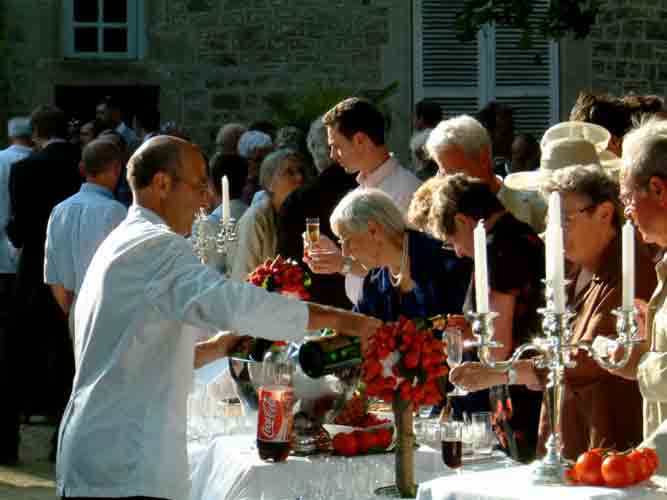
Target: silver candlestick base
{"points": [[210, 239]]}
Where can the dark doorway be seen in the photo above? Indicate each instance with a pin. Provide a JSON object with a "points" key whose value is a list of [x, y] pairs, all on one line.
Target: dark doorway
{"points": [[79, 101]]}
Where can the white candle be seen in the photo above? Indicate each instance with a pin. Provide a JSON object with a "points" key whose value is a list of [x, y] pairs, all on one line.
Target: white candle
{"points": [[628, 265], [555, 210], [481, 280], [555, 269], [225, 200]]}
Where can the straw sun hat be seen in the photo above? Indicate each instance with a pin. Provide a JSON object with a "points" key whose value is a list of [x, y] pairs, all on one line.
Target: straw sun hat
{"points": [[563, 145]]}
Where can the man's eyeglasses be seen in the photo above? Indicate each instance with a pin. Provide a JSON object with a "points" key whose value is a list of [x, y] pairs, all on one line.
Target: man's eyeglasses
{"points": [[201, 186]]}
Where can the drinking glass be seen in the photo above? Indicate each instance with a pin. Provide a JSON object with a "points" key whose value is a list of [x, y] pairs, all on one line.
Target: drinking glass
{"points": [[451, 438], [313, 230], [455, 355], [483, 436]]}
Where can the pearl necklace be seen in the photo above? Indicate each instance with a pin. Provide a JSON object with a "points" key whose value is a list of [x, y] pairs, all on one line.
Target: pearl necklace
{"points": [[395, 279]]}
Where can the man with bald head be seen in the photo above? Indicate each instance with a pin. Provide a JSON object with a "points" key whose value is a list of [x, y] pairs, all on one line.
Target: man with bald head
{"points": [[80, 223], [124, 430]]}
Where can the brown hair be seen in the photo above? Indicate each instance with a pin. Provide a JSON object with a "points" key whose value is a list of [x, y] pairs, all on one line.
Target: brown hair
{"points": [[354, 115]]}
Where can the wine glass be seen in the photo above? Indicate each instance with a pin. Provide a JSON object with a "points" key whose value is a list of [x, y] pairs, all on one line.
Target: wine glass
{"points": [[455, 355]]}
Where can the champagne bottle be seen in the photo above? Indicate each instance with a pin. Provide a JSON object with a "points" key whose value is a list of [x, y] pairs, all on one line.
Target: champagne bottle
{"points": [[323, 355]]}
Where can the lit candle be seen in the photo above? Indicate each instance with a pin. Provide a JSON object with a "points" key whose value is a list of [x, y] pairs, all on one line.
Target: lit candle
{"points": [[554, 253], [225, 200], [628, 265], [481, 280]]}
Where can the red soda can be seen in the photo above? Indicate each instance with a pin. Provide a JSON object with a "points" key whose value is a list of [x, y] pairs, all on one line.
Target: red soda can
{"points": [[274, 422]]}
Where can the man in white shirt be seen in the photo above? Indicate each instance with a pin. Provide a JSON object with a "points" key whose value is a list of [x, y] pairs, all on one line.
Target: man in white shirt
{"points": [[79, 224], [463, 145], [19, 132], [124, 430], [355, 130]]}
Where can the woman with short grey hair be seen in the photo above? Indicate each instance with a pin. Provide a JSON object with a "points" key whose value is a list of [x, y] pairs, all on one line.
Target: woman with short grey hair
{"points": [[281, 173], [318, 145], [410, 274]]}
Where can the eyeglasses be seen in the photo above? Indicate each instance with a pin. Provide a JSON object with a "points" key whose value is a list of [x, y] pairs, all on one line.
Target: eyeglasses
{"points": [[567, 218], [201, 187], [628, 199]]}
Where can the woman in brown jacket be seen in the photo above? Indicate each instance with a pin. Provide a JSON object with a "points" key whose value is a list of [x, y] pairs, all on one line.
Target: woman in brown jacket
{"points": [[599, 409]]}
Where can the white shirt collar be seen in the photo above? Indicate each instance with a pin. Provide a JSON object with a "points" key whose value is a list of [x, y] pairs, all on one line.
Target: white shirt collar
{"points": [[374, 178]]}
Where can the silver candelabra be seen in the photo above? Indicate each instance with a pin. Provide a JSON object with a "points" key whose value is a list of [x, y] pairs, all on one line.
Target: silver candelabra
{"points": [[556, 350], [209, 239]]}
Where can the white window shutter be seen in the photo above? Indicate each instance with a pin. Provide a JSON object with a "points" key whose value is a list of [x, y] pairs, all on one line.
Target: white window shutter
{"points": [[463, 77], [526, 79], [446, 70]]}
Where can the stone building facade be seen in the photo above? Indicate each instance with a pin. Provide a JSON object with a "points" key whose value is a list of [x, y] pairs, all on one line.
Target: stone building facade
{"points": [[213, 61]]}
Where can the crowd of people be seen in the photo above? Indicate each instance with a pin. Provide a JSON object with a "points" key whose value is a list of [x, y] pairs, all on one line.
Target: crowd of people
{"points": [[99, 274]]}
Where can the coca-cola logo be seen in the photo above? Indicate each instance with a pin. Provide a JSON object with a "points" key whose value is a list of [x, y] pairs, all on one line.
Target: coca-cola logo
{"points": [[270, 417]]}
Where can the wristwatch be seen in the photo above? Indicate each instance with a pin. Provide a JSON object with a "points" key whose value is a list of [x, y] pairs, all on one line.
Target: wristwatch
{"points": [[347, 265], [511, 376]]}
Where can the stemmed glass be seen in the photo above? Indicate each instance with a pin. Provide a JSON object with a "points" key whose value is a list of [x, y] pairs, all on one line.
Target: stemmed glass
{"points": [[455, 355]]}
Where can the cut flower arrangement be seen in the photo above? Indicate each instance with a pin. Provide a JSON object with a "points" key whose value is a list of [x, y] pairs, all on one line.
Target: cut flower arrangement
{"points": [[405, 365]]}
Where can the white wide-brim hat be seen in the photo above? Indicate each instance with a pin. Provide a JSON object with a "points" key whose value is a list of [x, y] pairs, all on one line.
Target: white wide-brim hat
{"points": [[564, 145]]}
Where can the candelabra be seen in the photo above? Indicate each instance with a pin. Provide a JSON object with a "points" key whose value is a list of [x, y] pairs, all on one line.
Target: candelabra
{"points": [[555, 350], [209, 239]]}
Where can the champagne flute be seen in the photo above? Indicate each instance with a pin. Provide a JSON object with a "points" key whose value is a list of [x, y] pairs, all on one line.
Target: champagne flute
{"points": [[313, 230], [455, 355]]}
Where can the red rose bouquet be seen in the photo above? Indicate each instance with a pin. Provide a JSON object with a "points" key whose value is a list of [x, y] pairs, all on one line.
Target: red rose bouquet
{"points": [[283, 276], [405, 361], [403, 365]]}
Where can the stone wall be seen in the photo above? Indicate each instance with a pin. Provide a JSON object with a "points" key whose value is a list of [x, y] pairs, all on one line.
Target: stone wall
{"points": [[215, 60], [629, 45]]}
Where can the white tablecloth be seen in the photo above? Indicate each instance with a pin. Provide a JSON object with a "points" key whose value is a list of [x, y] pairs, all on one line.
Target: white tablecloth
{"points": [[229, 468], [514, 484]]}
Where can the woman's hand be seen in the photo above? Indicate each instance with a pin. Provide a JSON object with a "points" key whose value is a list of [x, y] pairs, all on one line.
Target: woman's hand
{"points": [[323, 257], [473, 376]]}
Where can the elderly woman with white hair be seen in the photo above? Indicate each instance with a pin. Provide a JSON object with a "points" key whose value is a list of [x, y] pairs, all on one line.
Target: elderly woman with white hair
{"points": [[410, 273], [280, 174]]}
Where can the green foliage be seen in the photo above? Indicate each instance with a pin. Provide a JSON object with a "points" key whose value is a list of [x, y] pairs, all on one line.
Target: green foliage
{"points": [[563, 17], [300, 110]]}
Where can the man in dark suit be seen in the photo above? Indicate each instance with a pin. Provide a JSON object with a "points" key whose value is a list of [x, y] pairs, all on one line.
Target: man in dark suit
{"points": [[318, 199], [38, 349]]}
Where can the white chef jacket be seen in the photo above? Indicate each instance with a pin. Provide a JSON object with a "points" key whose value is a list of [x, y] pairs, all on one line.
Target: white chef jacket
{"points": [[124, 429]]}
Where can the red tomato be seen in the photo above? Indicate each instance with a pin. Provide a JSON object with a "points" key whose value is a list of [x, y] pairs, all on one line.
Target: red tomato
{"points": [[633, 471], [642, 464], [571, 475], [587, 469], [345, 444], [652, 456], [615, 471], [367, 441], [384, 437]]}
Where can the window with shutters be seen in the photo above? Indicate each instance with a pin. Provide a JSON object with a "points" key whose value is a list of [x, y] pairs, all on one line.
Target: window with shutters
{"points": [[463, 77], [103, 29]]}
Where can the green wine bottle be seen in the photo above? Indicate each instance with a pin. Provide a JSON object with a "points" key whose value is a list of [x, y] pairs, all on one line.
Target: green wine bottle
{"points": [[321, 356]]}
